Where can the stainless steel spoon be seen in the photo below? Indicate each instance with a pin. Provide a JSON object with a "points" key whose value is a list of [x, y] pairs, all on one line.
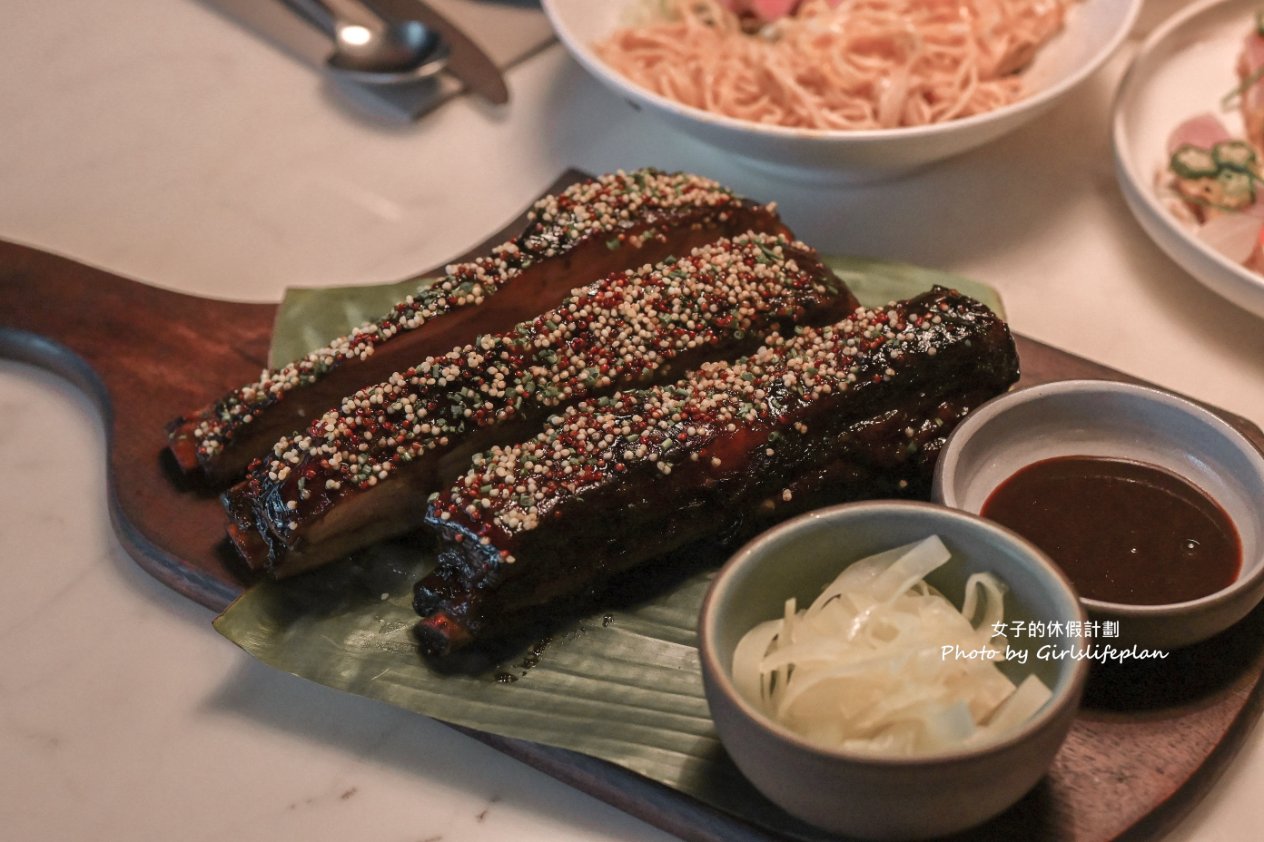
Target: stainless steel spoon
{"points": [[371, 49]]}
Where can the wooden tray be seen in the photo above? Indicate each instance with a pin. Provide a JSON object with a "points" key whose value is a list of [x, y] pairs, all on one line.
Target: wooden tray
{"points": [[1151, 738]]}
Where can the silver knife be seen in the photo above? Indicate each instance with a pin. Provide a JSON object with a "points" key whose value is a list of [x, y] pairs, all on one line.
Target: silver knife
{"points": [[468, 62]]}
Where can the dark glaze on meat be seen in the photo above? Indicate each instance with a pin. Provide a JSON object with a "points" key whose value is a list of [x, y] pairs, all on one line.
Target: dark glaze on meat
{"points": [[857, 410], [599, 226], [363, 471]]}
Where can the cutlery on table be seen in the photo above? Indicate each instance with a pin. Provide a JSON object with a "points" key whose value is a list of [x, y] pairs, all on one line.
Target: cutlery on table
{"points": [[370, 48], [507, 32], [468, 62], [390, 42]]}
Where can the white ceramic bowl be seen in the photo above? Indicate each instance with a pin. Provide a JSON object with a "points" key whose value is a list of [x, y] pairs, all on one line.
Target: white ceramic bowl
{"points": [[1182, 70], [1101, 418], [1094, 30], [889, 797]]}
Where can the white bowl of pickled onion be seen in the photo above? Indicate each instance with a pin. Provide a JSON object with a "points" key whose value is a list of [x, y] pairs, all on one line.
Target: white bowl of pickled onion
{"points": [[1093, 31], [835, 750]]}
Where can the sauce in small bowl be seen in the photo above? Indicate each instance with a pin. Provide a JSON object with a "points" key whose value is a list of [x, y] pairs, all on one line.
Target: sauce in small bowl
{"points": [[1109, 479], [1122, 531]]}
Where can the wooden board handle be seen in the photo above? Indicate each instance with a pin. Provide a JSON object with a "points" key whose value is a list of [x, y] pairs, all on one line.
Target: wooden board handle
{"points": [[139, 351]]}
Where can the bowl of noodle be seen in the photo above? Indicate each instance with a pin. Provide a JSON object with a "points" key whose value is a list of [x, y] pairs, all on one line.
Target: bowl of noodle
{"points": [[842, 90]]}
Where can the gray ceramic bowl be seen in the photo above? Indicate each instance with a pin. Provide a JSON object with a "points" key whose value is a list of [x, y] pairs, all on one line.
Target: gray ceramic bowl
{"points": [[861, 794], [1103, 418]]}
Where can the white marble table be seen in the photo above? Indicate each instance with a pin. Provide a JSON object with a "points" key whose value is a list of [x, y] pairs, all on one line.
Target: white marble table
{"points": [[153, 139]]}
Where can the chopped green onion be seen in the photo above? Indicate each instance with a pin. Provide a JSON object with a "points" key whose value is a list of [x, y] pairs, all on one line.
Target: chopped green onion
{"points": [[1189, 161], [1230, 99], [1235, 155], [1237, 189]]}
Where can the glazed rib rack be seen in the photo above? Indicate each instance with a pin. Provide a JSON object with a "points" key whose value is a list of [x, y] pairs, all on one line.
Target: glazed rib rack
{"points": [[606, 224], [854, 410], [363, 471]]}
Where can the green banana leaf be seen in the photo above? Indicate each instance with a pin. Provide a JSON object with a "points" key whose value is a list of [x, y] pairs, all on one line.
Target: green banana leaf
{"points": [[623, 685]]}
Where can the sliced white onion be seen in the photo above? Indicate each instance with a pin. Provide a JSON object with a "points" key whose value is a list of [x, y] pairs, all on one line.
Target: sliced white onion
{"points": [[991, 606], [747, 656], [1020, 706], [857, 576], [909, 568], [1234, 235], [864, 668]]}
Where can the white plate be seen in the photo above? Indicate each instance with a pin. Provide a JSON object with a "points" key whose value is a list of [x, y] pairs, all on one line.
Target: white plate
{"points": [[1184, 68], [1095, 29]]}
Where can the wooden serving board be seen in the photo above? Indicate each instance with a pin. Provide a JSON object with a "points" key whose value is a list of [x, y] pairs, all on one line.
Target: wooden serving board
{"points": [[1150, 740]]}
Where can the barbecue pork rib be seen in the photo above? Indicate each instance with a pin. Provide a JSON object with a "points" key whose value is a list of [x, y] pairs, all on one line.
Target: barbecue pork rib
{"points": [[602, 225], [855, 410], [363, 471]]}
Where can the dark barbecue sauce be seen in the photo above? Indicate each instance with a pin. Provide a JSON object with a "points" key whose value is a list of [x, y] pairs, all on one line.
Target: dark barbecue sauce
{"points": [[1122, 531]]}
